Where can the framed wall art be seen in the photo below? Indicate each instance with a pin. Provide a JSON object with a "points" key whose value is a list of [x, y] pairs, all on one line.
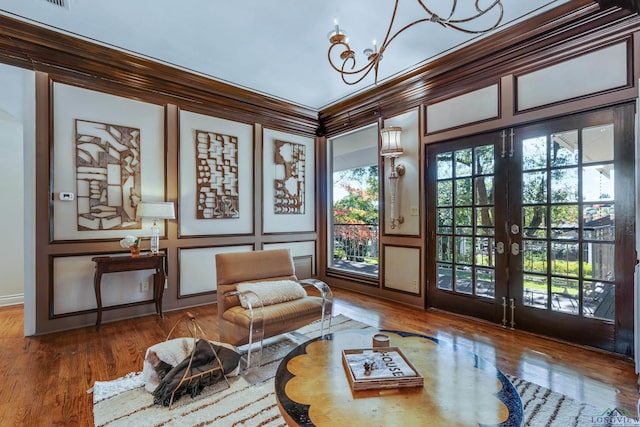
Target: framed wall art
{"points": [[108, 154], [288, 182], [216, 176]]}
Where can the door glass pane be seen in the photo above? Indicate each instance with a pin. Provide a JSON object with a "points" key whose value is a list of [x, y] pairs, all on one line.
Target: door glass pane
{"points": [[599, 300], [534, 219], [564, 259], [564, 185], [463, 163], [444, 163], [445, 221], [444, 250], [484, 190], [534, 153], [484, 221], [598, 183], [598, 261], [485, 255], [464, 250], [564, 295], [564, 148], [534, 187], [597, 144], [445, 193], [564, 222], [598, 222], [464, 195], [464, 224], [444, 277], [535, 292], [463, 279], [484, 160], [486, 282], [534, 256]]}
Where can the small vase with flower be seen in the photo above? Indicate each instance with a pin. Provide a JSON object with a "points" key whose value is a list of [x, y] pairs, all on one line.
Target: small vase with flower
{"points": [[133, 244]]}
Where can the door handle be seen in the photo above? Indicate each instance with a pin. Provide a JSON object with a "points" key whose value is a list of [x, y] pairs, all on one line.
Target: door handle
{"points": [[515, 249]]}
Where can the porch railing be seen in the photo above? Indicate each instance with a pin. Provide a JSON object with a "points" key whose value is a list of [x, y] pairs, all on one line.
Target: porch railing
{"points": [[355, 242]]}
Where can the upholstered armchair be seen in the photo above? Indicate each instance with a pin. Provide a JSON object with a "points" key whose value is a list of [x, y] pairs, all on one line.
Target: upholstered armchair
{"points": [[259, 296]]}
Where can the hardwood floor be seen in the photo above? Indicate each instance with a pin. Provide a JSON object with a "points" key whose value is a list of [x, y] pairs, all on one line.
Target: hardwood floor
{"points": [[46, 378]]}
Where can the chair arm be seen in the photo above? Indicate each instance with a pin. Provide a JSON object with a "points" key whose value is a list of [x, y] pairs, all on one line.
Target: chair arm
{"points": [[256, 323], [322, 287], [327, 301]]}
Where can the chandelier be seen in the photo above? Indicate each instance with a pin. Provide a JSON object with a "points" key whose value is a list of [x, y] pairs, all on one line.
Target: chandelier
{"points": [[342, 58]]}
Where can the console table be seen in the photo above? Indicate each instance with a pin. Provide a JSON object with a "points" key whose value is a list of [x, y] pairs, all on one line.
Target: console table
{"points": [[115, 264]]}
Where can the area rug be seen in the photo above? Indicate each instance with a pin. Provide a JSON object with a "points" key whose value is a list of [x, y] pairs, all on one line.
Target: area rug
{"points": [[251, 401]]}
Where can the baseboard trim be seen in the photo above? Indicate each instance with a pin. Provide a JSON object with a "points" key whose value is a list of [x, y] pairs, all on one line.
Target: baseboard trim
{"points": [[6, 300]]}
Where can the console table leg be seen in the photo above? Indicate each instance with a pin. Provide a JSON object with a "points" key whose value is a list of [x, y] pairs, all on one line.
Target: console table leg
{"points": [[96, 285]]}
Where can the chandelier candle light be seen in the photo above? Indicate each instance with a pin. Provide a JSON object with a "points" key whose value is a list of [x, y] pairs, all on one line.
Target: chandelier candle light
{"points": [[155, 211], [343, 59], [392, 148]]}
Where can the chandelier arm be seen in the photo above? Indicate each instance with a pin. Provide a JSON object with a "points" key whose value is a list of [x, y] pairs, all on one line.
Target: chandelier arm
{"points": [[434, 17], [386, 40], [366, 70], [451, 24], [481, 12], [397, 33], [352, 59]]}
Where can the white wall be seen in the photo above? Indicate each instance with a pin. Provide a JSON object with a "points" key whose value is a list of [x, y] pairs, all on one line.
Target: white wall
{"points": [[17, 188]]}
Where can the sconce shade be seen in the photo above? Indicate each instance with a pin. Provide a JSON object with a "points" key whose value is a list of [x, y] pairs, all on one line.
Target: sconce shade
{"points": [[156, 210], [391, 146]]}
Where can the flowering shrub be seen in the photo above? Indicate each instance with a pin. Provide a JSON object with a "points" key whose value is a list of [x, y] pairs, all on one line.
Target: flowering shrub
{"points": [[130, 241]]}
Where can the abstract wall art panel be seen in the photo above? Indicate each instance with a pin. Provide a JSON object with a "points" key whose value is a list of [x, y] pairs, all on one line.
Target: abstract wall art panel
{"points": [[289, 177], [107, 175], [216, 176]]}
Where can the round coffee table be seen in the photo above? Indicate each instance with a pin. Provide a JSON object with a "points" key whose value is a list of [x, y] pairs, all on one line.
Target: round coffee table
{"points": [[460, 388]]}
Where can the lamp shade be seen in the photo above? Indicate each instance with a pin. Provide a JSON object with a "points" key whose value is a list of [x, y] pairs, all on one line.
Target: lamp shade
{"points": [[156, 210], [391, 146]]}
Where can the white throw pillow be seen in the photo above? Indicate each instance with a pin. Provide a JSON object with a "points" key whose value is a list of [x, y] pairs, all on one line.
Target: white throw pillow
{"points": [[270, 292]]}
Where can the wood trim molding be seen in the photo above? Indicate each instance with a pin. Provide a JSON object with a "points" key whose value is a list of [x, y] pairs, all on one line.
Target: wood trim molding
{"points": [[79, 62]]}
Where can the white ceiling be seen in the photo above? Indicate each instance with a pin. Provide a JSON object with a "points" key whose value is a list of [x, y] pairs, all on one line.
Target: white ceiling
{"points": [[277, 48]]}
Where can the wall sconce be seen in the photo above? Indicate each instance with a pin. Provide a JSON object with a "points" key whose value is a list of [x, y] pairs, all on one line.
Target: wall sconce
{"points": [[155, 211], [392, 148]]}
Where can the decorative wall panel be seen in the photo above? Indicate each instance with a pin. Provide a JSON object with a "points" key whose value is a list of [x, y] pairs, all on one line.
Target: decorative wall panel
{"points": [[455, 111], [402, 269], [300, 251], [198, 268], [600, 70], [108, 151], [215, 176], [288, 182]]}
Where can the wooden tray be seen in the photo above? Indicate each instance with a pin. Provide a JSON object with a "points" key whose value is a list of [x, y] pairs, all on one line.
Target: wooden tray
{"points": [[383, 376]]}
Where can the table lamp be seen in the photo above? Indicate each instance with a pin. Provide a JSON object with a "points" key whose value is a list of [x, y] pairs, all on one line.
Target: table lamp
{"points": [[155, 211]]}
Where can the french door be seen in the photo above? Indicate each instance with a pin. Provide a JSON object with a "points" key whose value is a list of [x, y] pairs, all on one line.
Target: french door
{"points": [[533, 227]]}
